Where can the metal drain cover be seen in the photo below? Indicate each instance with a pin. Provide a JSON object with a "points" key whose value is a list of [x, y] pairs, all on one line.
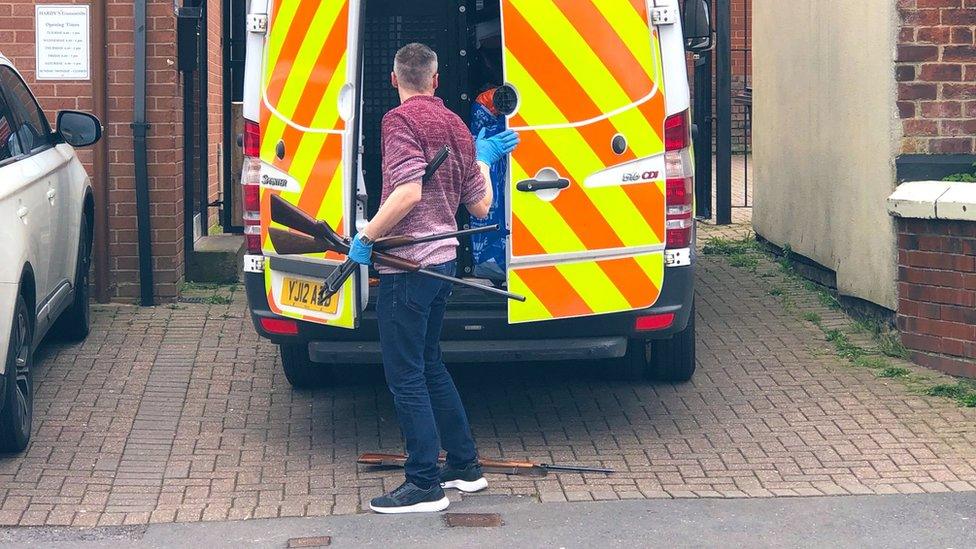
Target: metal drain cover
{"points": [[473, 520], [318, 541]]}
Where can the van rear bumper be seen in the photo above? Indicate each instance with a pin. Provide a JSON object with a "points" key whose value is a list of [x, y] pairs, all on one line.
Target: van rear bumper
{"points": [[455, 352], [474, 329]]}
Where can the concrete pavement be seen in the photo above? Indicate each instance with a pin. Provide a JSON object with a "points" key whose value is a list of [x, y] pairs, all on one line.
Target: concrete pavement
{"points": [[918, 521]]}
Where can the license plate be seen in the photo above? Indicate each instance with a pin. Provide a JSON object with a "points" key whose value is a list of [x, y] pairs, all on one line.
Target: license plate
{"points": [[304, 294]]}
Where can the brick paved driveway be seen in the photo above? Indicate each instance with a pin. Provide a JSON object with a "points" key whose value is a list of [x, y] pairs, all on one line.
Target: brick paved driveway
{"points": [[182, 414]]}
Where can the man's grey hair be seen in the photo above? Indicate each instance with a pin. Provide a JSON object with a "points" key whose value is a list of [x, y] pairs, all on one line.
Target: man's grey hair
{"points": [[415, 66]]}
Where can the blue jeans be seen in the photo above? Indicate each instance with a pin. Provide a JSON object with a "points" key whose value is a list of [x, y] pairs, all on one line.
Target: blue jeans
{"points": [[411, 313]]}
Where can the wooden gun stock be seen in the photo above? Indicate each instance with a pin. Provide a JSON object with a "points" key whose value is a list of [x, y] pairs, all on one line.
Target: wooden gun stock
{"points": [[288, 243], [290, 216], [390, 242], [396, 262]]}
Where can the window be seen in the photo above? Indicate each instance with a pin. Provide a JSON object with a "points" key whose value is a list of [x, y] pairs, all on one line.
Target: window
{"points": [[31, 124], [9, 146]]}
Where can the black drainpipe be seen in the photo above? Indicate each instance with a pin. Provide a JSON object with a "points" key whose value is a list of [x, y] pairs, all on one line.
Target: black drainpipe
{"points": [[139, 129]]}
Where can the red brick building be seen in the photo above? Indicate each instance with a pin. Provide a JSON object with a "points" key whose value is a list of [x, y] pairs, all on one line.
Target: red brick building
{"points": [[110, 94], [936, 77], [187, 111], [936, 74]]}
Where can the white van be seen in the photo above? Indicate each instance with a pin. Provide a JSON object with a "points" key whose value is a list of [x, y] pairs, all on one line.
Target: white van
{"points": [[596, 203]]}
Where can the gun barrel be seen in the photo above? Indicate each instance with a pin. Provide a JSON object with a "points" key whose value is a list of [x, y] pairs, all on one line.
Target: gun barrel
{"points": [[572, 469], [392, 242], [436, 162]]}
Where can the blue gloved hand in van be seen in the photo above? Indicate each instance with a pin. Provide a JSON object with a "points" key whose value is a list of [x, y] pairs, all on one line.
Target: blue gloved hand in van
{"points": [[494, 148], [359, 251]]}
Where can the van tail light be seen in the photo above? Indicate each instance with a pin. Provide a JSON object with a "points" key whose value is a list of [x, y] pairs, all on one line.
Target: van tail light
{"points": [[280, 326], [680, 181], [251, 183], [652, 323], [252, 139]]}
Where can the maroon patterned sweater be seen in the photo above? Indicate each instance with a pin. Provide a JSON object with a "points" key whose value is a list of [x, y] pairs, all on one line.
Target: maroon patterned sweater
{"points": [[413, 133]]}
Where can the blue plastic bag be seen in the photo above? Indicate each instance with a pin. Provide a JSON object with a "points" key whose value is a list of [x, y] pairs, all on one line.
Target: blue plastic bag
{"points": [[489, 249]]}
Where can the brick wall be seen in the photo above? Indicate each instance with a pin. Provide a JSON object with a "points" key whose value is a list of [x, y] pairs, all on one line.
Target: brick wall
{"points": [[215, 122], [937, 293], [165, 142], [17, 44], [936, 73]]}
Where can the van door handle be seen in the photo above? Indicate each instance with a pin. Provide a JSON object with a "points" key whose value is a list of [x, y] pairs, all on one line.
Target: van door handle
{"points": [[22, 212], [533, 185], [51, 193]]}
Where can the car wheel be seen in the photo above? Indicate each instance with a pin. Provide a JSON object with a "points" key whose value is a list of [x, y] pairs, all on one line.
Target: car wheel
{"points": [[673, 360], [300, 371], [75, 322], [634, 365], [18, 386]]}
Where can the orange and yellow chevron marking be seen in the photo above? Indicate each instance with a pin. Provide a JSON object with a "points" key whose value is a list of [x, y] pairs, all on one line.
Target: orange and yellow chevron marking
{"points": [[585, 70], [305, 69], [585, 288]]}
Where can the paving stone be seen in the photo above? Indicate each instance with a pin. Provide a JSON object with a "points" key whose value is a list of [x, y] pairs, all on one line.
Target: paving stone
{"points": [[183, 414]]}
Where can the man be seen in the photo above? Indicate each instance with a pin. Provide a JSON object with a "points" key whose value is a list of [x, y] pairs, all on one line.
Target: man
{"points": [[410, 307]]}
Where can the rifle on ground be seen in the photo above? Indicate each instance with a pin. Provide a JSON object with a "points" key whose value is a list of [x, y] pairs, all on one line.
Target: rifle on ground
{"points": [[495, 466]]}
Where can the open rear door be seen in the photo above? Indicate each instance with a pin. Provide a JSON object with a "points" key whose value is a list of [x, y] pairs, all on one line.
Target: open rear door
{"points": [[587, 183], [308, 137]]}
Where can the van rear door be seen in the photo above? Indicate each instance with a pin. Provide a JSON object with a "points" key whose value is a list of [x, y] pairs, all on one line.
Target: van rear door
{"points": [[308, 99], [587, 183]]}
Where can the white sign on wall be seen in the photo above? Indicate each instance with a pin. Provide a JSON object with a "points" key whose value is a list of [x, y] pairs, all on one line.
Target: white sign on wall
{"points": [[63, 42]]}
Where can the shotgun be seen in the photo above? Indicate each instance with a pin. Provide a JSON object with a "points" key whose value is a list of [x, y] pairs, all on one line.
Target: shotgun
{"points": [[340, 275], [319, 237], [290, 243], [287, 242], [495, 466]]}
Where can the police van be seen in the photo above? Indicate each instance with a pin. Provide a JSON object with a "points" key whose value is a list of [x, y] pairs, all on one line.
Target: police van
{"points": [[595, 205]]}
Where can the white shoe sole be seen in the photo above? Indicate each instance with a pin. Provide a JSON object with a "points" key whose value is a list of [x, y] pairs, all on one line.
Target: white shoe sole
{"points": [[468, 487], [425, 507]]}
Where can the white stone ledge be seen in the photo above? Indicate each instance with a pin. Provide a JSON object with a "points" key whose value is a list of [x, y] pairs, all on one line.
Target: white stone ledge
{"points": [[934, 200]]}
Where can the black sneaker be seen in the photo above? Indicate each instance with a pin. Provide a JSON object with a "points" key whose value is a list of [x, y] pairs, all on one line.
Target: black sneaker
{"points": [[469, 479], [410, 498]]}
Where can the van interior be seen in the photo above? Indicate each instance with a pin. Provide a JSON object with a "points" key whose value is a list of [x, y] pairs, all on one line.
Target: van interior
{"points": [[467, 39]]}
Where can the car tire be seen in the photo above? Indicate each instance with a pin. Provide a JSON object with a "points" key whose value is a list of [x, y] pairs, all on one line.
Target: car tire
{"points": [[75, 322], [673, 360], [300, 371], [634, 366], [18, 387]]}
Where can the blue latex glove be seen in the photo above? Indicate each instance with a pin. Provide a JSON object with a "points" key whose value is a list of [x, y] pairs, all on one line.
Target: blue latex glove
{"points": [[359, 251], [494, 148]]}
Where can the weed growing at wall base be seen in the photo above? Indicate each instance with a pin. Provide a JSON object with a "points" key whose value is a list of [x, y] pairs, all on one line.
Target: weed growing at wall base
{"points": [[963, 392], [881, 358], [963, 177]]}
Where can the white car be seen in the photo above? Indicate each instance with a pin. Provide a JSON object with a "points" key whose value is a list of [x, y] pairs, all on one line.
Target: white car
{"points": [[46, 216]]}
